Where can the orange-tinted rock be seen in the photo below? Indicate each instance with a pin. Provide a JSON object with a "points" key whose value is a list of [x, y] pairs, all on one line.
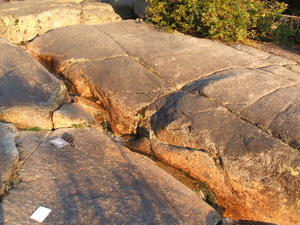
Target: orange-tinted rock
{"points": [[254, 175]]}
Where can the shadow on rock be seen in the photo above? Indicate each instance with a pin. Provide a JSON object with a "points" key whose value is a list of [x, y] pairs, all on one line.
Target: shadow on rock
{"points": [[100, 181]]}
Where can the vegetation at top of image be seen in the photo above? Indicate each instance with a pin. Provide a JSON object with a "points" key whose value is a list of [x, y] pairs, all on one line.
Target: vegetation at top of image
{"points": [[225, 20]]}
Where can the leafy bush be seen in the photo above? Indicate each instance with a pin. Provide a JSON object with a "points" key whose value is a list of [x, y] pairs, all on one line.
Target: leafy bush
{"points": [[283, 34], [183, 15], [226, 20]]}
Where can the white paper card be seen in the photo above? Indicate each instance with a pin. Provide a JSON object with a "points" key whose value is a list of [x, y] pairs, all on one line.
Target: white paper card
{"points": [[59, 142], [40, 214]]}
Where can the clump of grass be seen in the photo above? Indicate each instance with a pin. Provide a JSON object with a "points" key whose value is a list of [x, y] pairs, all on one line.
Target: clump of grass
{"points": [[80, 125], [33, 129]]}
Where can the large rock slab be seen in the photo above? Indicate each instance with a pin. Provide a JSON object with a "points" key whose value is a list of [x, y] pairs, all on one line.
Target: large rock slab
{"points": [[22, 21], [167, 61], [8, 155], [267, 97], [100, 182], [125, 90], [254, 175], [218, 128], [28, 92]]}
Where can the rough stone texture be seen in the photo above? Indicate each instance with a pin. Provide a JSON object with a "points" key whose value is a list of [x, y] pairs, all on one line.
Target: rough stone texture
{"points": [[100, 182], [171, 58], [22, 21], [3, 40], [28, 92], [72, 114], [28, 141], [267, 97], [8, 154], [221, 123], [244, 166], [124, 90], [92, 107]]}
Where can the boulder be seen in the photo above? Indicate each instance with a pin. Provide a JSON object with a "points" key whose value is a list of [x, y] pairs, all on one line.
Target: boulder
{"points": [[125, 90], [8, 155], [168, 62], [100, 181], [199, 105], [28, 92], [254, 175], [23, 21]]}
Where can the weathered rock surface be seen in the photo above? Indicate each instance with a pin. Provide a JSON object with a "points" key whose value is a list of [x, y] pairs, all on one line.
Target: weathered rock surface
{"points": [[221, 123], [122, 90], [70, 115], [28, 141], [9, 154], [100, 182], [267, 97], [22, 21], [173, 60], [28, 92], [245, 166]]}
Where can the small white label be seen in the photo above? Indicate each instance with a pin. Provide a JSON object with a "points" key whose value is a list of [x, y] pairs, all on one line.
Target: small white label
{"points": [[40, 214], [59, 142]]}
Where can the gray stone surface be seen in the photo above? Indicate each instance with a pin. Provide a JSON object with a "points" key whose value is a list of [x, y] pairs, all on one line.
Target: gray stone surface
{"points": [[28, 92], [28, 141], [100, 182], [24, 20], [8, 154]]}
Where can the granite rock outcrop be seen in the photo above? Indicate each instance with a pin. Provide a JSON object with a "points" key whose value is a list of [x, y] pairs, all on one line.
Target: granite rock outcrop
{"points": [[202, 106], [227, 115]]}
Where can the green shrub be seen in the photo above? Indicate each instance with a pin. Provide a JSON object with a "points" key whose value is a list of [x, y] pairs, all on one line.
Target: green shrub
{"points": [[283, 34], [183, 15], [226, 20]]}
